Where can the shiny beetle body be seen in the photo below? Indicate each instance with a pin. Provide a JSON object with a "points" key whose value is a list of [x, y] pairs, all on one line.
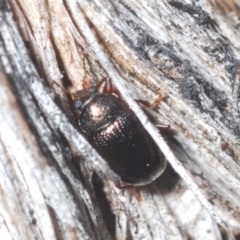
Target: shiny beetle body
{"points": [[118, 136]]}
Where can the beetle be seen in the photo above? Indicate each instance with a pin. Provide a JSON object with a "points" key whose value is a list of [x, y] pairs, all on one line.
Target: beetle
{"points": [[115, 132]]}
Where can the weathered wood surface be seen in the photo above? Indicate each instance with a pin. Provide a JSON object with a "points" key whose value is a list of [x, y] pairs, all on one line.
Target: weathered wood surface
{"points": [[187, 51]]}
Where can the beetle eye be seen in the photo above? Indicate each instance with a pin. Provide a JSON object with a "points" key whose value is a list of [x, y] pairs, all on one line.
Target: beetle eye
{"points": [[92, 89], [78, 104]]}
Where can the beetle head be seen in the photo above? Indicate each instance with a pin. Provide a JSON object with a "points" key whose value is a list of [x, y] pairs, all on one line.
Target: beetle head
{"points": [[83, 97]]}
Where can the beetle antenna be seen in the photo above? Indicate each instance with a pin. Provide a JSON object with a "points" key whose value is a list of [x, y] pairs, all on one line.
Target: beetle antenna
{"points": [[85, 82], [64, 90]]}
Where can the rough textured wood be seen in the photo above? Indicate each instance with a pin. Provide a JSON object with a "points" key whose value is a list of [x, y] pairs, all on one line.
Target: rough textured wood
{"points": [[186, 51]]}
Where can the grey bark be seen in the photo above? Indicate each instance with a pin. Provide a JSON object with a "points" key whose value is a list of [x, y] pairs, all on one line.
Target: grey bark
{"points": [[186, 51]]}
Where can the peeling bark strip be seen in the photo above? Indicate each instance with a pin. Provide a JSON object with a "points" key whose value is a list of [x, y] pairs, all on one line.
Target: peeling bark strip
{"points": [[189, 52]]}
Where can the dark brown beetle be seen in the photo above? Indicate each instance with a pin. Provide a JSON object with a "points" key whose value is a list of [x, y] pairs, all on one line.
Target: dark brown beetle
{"points": [[117, 135]]}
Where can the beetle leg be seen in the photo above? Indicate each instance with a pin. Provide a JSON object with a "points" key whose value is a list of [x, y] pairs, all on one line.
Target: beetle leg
{"points": [[157, 101], [138, 195], [154, 104], [123, 187], [98, 85], [109, 88], [164, 129]]}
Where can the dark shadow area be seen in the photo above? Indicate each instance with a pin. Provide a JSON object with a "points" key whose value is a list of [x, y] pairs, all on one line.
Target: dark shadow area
{"points": [[103, 203]]}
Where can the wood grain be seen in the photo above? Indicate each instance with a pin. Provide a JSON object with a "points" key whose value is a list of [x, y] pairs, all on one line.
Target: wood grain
{"points": [[53, 184]]}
